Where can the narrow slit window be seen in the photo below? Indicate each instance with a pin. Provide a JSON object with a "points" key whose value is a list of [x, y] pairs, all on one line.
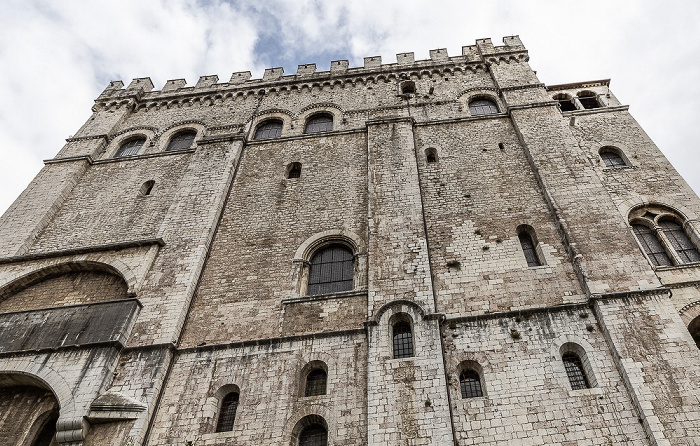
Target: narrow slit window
{"points": [[227, 414], [314, 435], [294, 170], [470, 384], [316, 383], [651, 245], [529, 249], [331, 271], [182, 140], [575, 372], [403, 340], [131, 147], [319, 123], [680, 241]]}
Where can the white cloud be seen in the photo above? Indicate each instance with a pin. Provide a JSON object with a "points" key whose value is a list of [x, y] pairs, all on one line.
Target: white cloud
{"points": [[58, 56]]}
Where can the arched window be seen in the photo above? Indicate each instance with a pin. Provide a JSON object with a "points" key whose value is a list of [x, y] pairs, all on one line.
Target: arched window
{"points": [[313, 435], [662, 237], [294, 170], [320, 122], [482, 107], [272, 128], [588, 99], [651, 245], [227, 413], [611, 157], [431, 155], [331, 270], [316, 383], [470, 384], [130, 147], [182, 140], [402, 339], [147, 187], [527, 243], [574, 371], [565, 102]]}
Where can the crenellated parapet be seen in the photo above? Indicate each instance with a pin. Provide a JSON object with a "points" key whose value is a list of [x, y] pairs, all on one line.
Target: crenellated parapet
{"points": [[208, 89]]}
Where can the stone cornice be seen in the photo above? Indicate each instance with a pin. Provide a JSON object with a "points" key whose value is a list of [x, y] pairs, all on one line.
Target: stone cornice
{"points": [[83, 250]]}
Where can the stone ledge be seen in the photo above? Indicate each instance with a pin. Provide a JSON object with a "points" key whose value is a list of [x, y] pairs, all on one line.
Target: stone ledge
{"points": [[84, 250], [328, 296]]}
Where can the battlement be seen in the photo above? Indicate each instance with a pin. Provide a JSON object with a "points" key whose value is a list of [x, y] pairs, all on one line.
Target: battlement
{"points": [[482, 52]]}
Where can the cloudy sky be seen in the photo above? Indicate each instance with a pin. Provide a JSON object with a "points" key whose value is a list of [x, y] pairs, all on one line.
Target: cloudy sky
{"points": [[57, 56]]}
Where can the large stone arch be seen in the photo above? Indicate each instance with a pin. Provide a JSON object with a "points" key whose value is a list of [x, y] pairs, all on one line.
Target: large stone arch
{"points": [[24, 283]]}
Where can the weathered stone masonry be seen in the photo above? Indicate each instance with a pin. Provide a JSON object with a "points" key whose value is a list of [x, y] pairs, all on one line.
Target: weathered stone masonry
{"points": [[144, 297]]}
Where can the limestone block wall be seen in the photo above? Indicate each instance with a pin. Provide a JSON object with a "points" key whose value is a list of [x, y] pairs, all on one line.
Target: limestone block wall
{"points": [[476, 195], [267, 218], [269, 379], [658, 361], [527, 396]]}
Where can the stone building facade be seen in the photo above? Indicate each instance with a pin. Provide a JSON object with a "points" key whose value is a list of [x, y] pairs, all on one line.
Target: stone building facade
{"points": [[427, 252]]}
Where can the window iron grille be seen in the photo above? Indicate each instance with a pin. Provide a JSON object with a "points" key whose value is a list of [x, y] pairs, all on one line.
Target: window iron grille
{"points": [[403, 340], [130, 147], [330, 271], [680, 241], [612, 159], [316, 383], [181, 141], [651, 245], [529, 249], [314, 435], [574, 370], [269, 129], [482, 107], [470, 384], [227, 414], [319, 123]]}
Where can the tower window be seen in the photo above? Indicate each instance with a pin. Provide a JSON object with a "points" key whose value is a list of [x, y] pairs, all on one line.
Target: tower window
{"points": [[403, 340], [227, 413], [294, 170], [130, 147], [679, 241], [565, 103], [331, 271], [482, 107], [694, 329], [431, 155], [182, 140], [611, 157], [662, 237], [147, 187], [272, 128], [321, 122], [314, 435], [408, 87], [574, 370], [528, 245], [651, 245], [316, 383], [470, 384], [588, 99]]}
